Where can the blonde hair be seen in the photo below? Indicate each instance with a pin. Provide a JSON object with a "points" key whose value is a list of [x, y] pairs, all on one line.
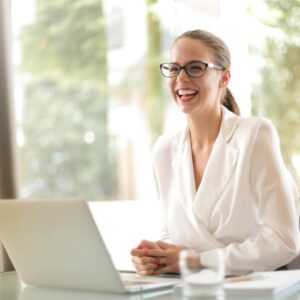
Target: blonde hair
{"points": [[222, 56]]}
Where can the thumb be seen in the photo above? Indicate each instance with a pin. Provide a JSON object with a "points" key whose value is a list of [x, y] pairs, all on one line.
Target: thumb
{"points": [[164, 245], [147, 244]]}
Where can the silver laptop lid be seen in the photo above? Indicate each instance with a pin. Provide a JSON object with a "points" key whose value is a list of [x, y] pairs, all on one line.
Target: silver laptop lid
{"points": [[56, 243]]}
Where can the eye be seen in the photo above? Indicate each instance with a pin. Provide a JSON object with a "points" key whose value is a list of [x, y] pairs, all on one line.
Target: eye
{"points": [[173, 68], [196, 68]]}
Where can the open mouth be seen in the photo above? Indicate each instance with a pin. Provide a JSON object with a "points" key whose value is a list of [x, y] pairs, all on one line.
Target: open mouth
{"points": [[186, 94]]}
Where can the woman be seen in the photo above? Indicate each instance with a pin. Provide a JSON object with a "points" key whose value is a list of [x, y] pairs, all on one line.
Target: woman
{"points": [[222, 180]]}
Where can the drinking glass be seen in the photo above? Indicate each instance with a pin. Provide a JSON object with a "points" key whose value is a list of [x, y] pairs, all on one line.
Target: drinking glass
{"points": [[205, 278]]}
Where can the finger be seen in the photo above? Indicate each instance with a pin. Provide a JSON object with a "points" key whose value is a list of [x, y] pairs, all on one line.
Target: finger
{"points": [[136, 260], [165, 269], [146, 267], [143, 266], [145, 260], [146, 272], [157, 252], [163, 245], [147, 244], [139, 252], [161, 261]]}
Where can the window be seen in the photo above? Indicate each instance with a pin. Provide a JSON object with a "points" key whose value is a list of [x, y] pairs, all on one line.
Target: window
{"points": [[90, 99]]}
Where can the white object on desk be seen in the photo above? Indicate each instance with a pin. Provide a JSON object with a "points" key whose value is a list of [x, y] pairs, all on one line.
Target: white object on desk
{"points": [[202, 280], [266, 283], [255, 276]]}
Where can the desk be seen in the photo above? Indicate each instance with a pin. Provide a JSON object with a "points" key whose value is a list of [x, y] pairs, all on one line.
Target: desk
{"points": [[11, 288]]}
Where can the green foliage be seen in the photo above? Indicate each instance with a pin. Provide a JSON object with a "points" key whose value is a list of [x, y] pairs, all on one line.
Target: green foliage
{"points": [[279, 94], [284, 15], [67, 39], [67, 151], [56, 158], [154, 93]]}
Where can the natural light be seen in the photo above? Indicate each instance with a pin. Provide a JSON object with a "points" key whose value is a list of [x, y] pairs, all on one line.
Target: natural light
{"points": [[103, 151]]}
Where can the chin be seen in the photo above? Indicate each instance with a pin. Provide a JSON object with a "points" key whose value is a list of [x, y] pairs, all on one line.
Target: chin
{"points": [[184, 109]]}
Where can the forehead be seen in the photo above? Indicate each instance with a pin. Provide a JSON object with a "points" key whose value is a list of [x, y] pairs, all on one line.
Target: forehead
{"points": [[187, 49]]}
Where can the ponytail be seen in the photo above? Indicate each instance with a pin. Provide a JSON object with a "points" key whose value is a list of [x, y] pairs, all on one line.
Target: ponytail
{"points": [[229, 102]]}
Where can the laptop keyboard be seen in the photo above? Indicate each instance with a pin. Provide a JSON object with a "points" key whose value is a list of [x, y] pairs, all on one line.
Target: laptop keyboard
{"points": [[135, 282]]}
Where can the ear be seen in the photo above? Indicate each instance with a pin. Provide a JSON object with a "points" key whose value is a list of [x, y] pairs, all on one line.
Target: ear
{"points": [[225, 77]]}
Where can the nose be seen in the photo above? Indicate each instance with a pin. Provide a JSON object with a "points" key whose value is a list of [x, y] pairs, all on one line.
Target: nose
{"points": [[183, 76]]}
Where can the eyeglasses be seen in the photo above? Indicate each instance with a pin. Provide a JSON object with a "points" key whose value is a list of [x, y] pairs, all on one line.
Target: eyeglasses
{"points": [[193, 69]]}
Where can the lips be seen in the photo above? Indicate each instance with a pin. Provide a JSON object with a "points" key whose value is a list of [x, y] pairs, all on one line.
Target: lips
{"points": [[186, 94]]}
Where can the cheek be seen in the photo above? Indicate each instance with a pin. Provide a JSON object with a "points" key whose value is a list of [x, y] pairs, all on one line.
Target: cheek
{"points": [[171, 87], [210, 84]]}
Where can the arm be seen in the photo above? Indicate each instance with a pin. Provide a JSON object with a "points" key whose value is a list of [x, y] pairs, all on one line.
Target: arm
{"points": [[276, 198]]}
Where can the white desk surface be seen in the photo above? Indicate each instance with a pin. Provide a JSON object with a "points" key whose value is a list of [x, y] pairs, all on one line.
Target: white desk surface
{"points": [[11, 288]]}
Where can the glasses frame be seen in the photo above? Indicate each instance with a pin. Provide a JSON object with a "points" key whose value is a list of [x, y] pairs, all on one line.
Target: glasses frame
{"points": [[207, 66]]}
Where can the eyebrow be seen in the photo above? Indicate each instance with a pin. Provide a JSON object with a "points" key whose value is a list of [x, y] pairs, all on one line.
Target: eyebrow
{"points": [[192, 61]]}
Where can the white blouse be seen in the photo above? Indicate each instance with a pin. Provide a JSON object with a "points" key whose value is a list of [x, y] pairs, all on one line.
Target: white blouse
{"points": [[247, 202]]}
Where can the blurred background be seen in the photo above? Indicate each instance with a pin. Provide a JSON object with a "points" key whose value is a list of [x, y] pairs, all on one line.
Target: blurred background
{"points": [[90, 101]]}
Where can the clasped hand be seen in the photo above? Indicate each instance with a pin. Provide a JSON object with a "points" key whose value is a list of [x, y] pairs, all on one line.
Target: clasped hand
{"points": [[154, 258]]}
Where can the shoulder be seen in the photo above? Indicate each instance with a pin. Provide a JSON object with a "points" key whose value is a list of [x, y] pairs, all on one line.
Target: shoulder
{"points": [[245, 132], [257, 125], [166, 143], [254, 121], [235, 127], [254, 131]]}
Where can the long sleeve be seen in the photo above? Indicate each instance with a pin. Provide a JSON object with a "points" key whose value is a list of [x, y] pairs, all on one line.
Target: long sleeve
{"points": [[277, 241], [247, 202]]}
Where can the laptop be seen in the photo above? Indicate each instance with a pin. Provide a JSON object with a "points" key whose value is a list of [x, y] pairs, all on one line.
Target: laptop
{"points": [[56, 243], [44, 293]]}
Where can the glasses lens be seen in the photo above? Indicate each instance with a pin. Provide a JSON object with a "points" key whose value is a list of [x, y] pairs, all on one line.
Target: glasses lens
{"points": [[169, 70], [195, 68]]}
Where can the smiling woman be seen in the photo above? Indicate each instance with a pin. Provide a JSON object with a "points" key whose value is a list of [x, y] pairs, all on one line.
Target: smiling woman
{"points": [[221, 56], [222, 179], [90, 103]]}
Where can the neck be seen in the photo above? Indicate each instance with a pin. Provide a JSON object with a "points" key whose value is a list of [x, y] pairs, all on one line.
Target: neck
{"points": [[205, 128]]}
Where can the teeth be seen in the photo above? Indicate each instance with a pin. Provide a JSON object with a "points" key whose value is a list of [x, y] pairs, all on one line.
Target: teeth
{"points": [[185, 92]]}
